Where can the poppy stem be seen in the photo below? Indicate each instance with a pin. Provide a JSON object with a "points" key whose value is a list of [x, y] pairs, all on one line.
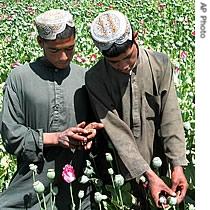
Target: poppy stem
{"points": [[72, 199]]}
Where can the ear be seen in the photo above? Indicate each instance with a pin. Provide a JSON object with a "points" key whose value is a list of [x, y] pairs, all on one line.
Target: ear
{"points": [[135, 36], [40, 41]]}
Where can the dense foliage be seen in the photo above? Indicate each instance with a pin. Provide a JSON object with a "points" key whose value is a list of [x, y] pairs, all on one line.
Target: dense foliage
{"points": [[166, 26]]}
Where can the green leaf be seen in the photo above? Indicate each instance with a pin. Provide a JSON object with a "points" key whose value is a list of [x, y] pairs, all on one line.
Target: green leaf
{"points": [[190, 175], [126, 187]]}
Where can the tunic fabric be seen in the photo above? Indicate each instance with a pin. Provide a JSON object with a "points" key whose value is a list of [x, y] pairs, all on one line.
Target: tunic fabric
{"points": [[140, 111], [39, 98]]}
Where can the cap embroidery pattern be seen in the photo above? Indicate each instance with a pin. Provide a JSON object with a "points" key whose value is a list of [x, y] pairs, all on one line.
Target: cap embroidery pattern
{"points": [[53, 22], [110, 27]]}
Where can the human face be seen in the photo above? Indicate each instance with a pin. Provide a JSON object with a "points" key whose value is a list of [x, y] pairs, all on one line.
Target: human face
{"points": [[58, 52], [125, 61]]}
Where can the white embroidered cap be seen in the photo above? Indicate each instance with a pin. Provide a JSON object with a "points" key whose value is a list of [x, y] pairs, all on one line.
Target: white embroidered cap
{"points": [[53, 22], [110, 27]]}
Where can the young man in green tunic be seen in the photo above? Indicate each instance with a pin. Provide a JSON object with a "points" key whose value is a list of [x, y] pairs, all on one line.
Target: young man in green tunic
{"points": [[133, 95], [45, 117]]}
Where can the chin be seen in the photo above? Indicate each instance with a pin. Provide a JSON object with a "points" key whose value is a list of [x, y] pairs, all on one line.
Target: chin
{"points": [[62, 66], [127, 71]]}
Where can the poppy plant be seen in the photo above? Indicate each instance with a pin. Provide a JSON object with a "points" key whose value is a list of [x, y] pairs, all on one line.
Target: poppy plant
{"points": [[68, 173], [69, 176]]}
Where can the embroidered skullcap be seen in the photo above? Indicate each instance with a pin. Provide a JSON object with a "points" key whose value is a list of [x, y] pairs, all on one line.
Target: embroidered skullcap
{"points": [[53, 22], [110, 27]]}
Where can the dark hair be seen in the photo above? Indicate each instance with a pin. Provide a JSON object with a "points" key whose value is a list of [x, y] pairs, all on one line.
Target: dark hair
{"points": [[117, 49], [68, 32]]}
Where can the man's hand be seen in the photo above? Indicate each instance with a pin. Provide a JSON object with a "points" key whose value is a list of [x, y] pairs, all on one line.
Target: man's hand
{"points": [[91, 128], [179, 183], [158, 187], [72, 137], [75, 137]]}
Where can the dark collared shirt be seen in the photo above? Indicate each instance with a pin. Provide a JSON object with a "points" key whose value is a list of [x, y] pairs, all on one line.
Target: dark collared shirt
{"points": [[39, 98]]}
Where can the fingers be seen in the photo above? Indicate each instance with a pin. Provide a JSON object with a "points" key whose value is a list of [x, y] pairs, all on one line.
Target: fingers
{"points": [[77, 137], [97, 125], [175, 183], [156, 196], [166, 192], [179, 197], [64, 142], [82, 124], [72, 137], [169, 191], [77, 131], [91, 133], [158, 188], [179, 183], [80, 136], [94, 125], [88, 145], [156, 199], [181, 193]]}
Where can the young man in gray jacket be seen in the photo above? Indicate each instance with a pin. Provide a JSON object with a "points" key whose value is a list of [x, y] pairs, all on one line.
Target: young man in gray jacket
{"points": [[132, 93]]}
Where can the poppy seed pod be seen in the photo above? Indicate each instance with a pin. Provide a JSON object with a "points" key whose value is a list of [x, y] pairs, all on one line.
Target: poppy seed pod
{"points": [[172, 201], [143, 179], [33, 167], [38, 187], [89, 171], [99, 197], [187, 125], [81, 194], [119, 180], [51, 174], [84, 179], [162, 199], [156, 162], [110, 171], [109, 157]]}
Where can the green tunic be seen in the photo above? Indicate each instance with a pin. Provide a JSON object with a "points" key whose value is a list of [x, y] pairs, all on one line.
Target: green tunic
{"points": [[140, 111], [39, 98]]}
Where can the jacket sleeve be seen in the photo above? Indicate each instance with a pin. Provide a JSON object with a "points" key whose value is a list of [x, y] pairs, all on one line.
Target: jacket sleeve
{"points": [[171, 127], [19, 139], [117, 130]]}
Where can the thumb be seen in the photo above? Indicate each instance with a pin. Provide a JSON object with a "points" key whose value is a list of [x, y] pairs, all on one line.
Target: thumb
{"points": [[171, 192], [96, 125], [81, 125], [174, 187], [99, 126]]}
